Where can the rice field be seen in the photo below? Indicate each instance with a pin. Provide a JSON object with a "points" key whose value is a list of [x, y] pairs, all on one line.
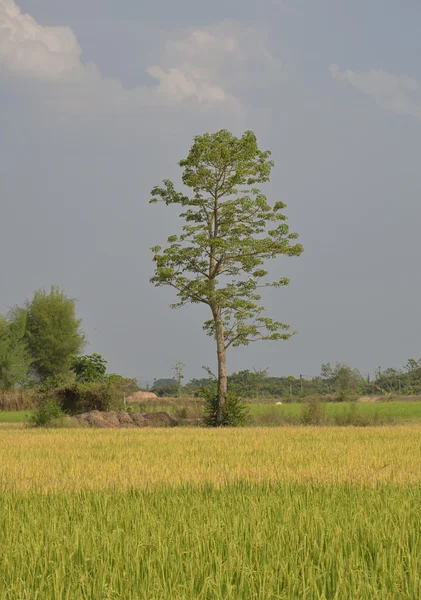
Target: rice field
{"points": [[186, 514]]}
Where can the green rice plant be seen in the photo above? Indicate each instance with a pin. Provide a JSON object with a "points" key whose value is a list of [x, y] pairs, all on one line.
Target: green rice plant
{"points": [[239, 542]]}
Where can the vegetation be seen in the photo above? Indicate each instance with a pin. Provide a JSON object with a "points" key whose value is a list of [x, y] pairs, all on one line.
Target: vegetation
{"points": [[81, 398], [14, 355], [53, 333], [230, 231], [242, 541], [268, 516], [234, 411], [89, 369], [46, 412]]}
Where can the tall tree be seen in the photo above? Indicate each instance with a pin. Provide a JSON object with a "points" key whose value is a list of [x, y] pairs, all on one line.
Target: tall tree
{"points": [[53, 333], [229, 232]]}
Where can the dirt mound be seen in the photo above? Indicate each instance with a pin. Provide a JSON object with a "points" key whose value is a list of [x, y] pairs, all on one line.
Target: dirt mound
{"points": [[113, 419]]}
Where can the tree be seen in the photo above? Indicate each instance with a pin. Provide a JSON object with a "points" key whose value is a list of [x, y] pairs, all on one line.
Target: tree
{"points": [[229, 232], [89, 368], [258, 378], [178, 370], [412, 364], [14, 356], [346, 380], [53, 333]]}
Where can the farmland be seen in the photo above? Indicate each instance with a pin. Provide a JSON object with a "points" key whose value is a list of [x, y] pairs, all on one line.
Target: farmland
{"points": [[194, 513]]}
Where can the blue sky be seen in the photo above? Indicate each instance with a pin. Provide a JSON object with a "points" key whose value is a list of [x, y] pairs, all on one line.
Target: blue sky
{"points": [[100, 100]]}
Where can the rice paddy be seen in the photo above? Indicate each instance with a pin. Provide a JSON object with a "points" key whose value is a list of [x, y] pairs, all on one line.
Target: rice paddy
{"points": [[190, 513]]}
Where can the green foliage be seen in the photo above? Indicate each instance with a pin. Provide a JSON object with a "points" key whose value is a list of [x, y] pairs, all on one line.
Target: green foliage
{"points": [[241, 540], [234, 410], [85, 397], [397, 381], [122, 385], [47, 411], [178, 369], [89, 368], [342, 380], [313, 412], [230, 230], [169, 390], [14, 356], [53, 333]]}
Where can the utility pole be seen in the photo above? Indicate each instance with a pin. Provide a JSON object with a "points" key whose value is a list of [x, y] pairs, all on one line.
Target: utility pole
{"points": [[301, 384]]}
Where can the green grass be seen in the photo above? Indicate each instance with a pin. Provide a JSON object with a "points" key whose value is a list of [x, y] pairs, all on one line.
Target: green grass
{"points": [[398, 411], [240, 542], [196, 514], [402, 411], [15, 416]]}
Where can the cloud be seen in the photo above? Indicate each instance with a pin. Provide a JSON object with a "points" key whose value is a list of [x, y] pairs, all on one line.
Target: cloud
{"points": [[186, 82], [221, 62], [203, 66], [399, 94], [29, 49]]}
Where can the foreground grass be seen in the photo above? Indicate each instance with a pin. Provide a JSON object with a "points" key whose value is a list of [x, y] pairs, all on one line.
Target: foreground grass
{"points": [[195, 514], [244, 541]]}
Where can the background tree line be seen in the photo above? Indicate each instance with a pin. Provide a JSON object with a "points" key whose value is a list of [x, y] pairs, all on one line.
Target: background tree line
{"points": [[338, 382]]}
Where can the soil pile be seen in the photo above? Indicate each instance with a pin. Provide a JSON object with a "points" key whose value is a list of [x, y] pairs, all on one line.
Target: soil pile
{"points": [[114, 419]]}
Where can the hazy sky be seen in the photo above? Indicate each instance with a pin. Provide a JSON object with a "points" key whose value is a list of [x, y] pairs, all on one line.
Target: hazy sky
{"points": [[100, 99]]}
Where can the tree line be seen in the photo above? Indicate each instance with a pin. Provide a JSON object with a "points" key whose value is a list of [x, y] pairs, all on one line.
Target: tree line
{"points": [[337, 382], [41, 344]]}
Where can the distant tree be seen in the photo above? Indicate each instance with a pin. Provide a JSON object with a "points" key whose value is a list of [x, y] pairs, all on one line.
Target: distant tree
{"points": [[412, 364], [346, 380], [230, 231], [169, 390], [178, 370], [259, 377], [89, 368], [53, 333], [14, 355]]}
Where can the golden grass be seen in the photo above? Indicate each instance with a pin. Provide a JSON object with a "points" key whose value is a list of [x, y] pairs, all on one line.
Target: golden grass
{"points": [[196, 514], [77, 460]]}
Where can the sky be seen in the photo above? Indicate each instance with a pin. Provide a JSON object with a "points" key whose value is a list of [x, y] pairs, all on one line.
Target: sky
{"points": [[99, 101]]}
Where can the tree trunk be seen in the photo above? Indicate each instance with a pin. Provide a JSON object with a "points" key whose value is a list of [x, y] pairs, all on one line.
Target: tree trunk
{"points": [[222, 367]]}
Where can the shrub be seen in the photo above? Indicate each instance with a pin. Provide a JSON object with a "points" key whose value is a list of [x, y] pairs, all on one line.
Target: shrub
{"points": [[313, 412], [46, 412], [234, 410], [81, 398]]}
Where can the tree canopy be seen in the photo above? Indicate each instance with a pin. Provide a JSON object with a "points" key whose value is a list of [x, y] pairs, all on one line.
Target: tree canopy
{"points": [[53, 333], [230, 230]]}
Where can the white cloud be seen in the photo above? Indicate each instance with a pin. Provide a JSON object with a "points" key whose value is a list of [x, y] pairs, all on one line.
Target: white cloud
{"points": [[399, 94], [204, 66], [218, 63], [186, 82], [27, 48]]}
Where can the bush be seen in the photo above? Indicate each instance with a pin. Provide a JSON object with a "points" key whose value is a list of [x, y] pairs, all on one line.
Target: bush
{"points": [[46, 412], [234, 413], [80, 398], [313, 412]]}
